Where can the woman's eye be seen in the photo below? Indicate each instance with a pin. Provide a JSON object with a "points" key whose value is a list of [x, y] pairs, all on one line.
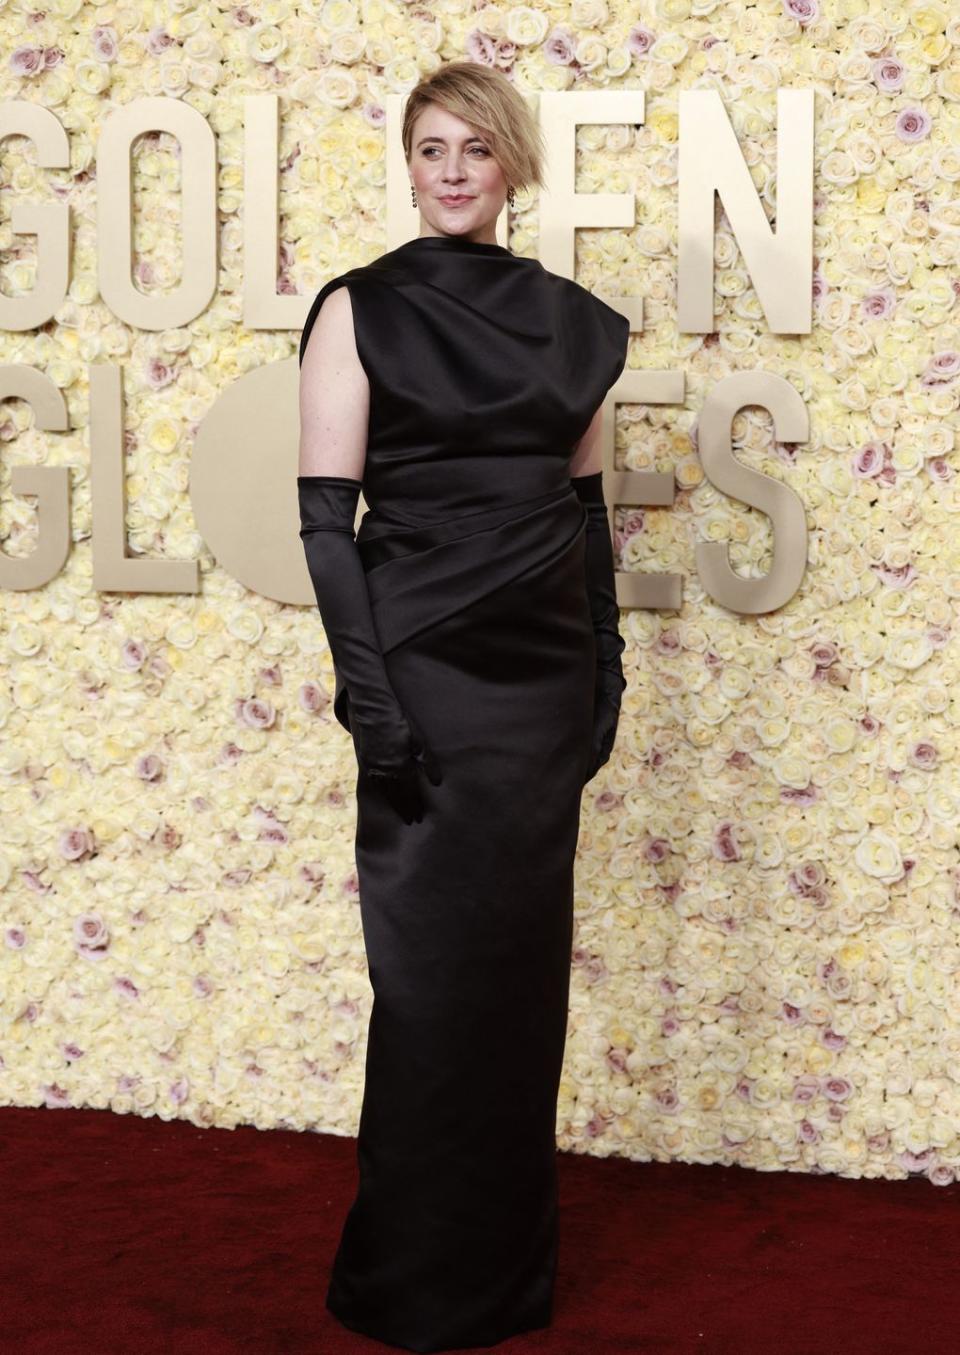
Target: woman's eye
{"points": [[428, 151]]}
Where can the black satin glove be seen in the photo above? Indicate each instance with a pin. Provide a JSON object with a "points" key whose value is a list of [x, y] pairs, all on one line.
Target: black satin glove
{"points": [[389, 750], [605, 614]]}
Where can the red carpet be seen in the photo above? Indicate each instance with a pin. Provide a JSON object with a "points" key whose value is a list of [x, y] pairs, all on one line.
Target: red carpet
{"points": [[122, 1234]]}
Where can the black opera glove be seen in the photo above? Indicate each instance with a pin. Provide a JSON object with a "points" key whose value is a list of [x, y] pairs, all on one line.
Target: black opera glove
{"points": [[388, 748], [605, 614]]}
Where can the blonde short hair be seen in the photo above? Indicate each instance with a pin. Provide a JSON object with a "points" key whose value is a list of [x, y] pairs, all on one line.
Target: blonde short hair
{"points": [[484, 98]]}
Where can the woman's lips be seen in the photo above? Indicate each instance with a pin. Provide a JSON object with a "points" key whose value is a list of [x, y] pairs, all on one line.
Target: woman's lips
{"points": [[455, 201]]}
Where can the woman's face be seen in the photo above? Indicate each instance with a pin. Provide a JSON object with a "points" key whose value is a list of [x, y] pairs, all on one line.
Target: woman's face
{"points": [[451, 159]]}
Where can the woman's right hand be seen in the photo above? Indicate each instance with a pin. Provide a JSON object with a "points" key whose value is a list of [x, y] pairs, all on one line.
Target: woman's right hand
{"points": [[402, 787]]}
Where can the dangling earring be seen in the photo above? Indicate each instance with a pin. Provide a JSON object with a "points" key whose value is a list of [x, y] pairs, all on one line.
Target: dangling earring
{"points": [[510, 197], [413, 195]]}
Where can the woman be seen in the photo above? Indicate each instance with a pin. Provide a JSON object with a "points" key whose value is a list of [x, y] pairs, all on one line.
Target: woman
{"points": [[473, 630]]}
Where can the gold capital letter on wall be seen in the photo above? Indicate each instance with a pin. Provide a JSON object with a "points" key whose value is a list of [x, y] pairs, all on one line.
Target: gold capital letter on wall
{"points": [[561, 208], [263, 306], [780, 263], [651, 488], [112, 568], [785, 510], [48, 221], [243, 483], [198, 198], [51, 484]]}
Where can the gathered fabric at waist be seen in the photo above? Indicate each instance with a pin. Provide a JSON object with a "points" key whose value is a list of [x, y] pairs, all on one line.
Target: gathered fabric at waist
{"points": [[419, 574], [381, 538]]}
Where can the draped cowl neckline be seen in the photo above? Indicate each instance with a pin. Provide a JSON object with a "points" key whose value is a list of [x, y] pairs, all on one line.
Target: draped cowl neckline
{"points": [[511, 291]]}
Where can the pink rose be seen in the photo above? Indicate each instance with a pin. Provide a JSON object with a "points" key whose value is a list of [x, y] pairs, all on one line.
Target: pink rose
{"points": [[939, 470], [27, 60], [91, 937], [158, 374], [913, 124], [148, 768], [132, 654], [258, 713], [806, 1088], [158, 40], [811, 875], [559, 48], [725, 846], [179, 1091], [878, 305], [916, 1162], [640, 40], [888, 74], [924, 755], [481, 48], [869, 461], [76, 844], [312, 697], [824, 653], [105, 45], [667, 1099], [804, 11], [899, 576], [836, 1088], [942, 367]]}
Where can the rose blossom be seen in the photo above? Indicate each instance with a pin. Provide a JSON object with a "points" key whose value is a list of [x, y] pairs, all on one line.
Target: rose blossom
{"points": [[639, 40], [942, 367], [924, 755], [939, 470], [888, 74], [836, 1088], [878, 305], [559, 48], [804, 11], [806, 1088], [913, 124], [26, 60], [105, 46], [868, 461]]}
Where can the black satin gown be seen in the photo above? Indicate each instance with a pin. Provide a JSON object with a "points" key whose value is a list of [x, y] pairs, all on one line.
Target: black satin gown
{"points": [[484, 371]]}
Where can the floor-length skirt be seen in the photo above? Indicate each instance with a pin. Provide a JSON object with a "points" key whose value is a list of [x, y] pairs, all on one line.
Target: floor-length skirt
{"points": [[452, 1239]]}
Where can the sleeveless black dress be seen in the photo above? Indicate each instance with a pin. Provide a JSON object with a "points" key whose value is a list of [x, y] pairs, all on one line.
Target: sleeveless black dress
{"points": [[484, 370]]}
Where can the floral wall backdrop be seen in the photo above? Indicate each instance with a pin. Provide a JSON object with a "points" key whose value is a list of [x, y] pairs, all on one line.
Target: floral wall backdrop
{"points": [[766, 966]]}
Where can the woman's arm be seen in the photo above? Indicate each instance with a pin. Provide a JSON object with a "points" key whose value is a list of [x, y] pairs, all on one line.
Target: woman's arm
{"points": [[334, 417], [334, 394], [586, 476]]}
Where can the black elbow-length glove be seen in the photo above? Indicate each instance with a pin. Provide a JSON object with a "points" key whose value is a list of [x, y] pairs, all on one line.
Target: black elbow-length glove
{"points": [[388, 749], [605, 614]]}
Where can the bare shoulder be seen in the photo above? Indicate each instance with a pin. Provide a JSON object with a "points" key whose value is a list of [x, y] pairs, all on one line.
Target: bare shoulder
{"points": [[334, 392], [331, 341]]}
